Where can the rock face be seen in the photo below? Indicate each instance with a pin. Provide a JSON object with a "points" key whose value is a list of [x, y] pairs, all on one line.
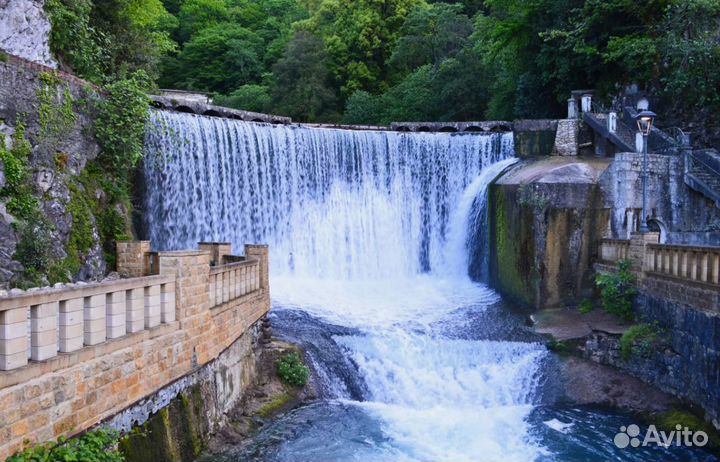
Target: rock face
{"points": [[25, 31], [59, 155]]}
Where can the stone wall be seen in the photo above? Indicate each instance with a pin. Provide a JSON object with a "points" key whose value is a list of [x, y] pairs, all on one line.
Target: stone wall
{"points": [[682, 215], [25, 30], [684, 363], [534, 138], [545, 219], [72, 392], [55, 163]]}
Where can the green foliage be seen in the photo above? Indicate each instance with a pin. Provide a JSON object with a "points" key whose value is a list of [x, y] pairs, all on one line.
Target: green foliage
{"points": [[277, 404], [97, 445], [559, 347], [669, 421], [639, 340], [120, 124], [618, 290], [56, 113], [430, 36], [18, 190], [586, 306], [102, 39], [301, 87], [218, 59], [248, 97], [292, 370]]}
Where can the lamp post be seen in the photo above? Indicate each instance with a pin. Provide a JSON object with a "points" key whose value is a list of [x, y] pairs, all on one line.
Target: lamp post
{"points": [[645, 121]]}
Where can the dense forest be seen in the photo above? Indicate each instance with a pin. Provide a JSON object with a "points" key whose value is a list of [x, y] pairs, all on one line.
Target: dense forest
{"points": [[375, 61]]}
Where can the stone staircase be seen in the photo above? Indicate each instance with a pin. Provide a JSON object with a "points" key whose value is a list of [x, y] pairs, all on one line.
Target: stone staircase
{"points": [[702, 173], [622, 138]]}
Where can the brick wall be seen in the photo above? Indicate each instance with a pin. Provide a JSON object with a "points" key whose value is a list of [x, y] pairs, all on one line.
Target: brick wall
{"points": [[72, 392]]}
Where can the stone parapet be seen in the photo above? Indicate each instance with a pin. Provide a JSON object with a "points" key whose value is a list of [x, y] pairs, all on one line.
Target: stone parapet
{"points": [[96, 349]]}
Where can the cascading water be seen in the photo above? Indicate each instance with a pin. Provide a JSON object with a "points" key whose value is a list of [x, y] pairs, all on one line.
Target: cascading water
{"points": [[369, 243]]}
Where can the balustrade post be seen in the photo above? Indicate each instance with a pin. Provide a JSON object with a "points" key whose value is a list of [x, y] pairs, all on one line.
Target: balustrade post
{"points": [[71, 325], [135, 310], [43, 331], [13, 338], [167, 303], [115, 315], [260, 252], [94, 317], [152, 306]]}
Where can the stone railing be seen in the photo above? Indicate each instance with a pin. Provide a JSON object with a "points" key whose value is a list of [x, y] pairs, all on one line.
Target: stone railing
{"points": [[612, 250], [62, 320], [689, 263], [233, 280], [74, 356], [698, 264]]}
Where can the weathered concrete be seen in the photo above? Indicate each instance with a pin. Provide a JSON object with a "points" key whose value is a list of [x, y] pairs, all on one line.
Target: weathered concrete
{"points": [[545, 220], [194, 106], [682, 215], [25, 31], [484, 126], [534, 138]]}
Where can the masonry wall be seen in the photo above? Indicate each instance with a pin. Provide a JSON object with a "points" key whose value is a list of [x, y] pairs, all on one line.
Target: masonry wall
{"points": [[72, 392]]}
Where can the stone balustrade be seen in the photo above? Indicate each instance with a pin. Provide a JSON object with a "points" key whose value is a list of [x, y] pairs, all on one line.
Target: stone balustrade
{"points": [[233, 280], [612, 250], [38, 325], [692, 263], [72, 357], [698, 264], [688, 275]]}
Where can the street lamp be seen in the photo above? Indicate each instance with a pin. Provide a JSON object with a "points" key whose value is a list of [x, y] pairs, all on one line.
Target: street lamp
{"points": [[645, 121]]}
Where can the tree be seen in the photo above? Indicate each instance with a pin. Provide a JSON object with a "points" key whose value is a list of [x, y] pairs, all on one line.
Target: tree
{"points": [[431, 35], [301, 88], [359, 37], [248, 98], [218, 59], [196, 15], [362, 108]]}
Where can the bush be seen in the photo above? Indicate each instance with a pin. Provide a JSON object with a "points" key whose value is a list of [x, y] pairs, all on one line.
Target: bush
{"points": [[292, 370], [618, 290], [639, 340], [585, 306], [97, 445]]}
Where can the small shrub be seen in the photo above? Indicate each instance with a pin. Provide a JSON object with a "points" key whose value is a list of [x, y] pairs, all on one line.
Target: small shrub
{"points": [[559, 347], [618, 290], [97, 445], [292, 370], [639, 340], [585, 306]]}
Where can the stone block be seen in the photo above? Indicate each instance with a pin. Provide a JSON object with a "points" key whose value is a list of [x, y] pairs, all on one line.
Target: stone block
{"points": [[41, 353], [14, 330], [116, 331], [13, 361], [43, 324], [16, 345], [69, 344], [72, 305], [115, 303], [94, 338], [13, 316], [94, 325], [45, 310], [70, 318], [43, 338]]}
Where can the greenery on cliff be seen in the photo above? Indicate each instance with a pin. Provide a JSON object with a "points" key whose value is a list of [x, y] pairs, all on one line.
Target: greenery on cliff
{"points": [[369, 61]]}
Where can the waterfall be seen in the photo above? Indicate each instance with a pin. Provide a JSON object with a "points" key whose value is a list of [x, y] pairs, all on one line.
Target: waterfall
{"points": [[333, 204], [369, 233]]}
